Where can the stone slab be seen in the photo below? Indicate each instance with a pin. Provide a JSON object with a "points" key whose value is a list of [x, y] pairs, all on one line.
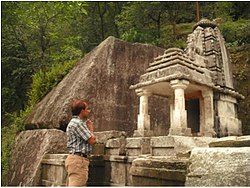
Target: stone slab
{"points": [[221, 166], [232, 141], [158, 171], [104, 136], [177, 145]]}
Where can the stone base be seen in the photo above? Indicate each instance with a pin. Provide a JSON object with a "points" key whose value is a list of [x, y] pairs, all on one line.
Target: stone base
{"points": [[232, 141], [210, 133], [143, 133], [53, 170], [221, 166], [180, 131], [158, 172]]}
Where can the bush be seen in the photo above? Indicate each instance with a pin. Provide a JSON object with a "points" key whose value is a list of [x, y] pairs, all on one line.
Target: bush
{"points": [[43, 82], [8, 134], [236, 33]]}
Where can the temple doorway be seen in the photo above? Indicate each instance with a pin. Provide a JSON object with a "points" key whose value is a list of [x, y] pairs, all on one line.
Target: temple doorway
{"points": [[193, 115]]}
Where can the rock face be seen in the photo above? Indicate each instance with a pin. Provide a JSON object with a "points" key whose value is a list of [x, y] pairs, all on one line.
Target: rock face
{"points": [[103, 78], [27, 154], [219, 167]]}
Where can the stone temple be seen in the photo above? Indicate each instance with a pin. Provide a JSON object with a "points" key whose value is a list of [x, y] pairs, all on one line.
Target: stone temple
{"points": [[198, 81]]}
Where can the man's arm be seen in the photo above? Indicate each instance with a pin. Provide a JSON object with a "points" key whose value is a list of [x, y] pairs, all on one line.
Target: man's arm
{"points": [[90, 126]]}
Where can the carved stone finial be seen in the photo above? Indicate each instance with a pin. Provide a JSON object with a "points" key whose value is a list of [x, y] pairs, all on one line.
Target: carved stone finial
{"points": [[204, 23]]}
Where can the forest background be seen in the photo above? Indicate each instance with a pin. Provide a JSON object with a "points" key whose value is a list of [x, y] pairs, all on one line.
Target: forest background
{"points": [[42, 41]]}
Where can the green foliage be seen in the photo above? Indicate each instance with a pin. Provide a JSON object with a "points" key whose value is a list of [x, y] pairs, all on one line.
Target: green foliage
{"points": [[240, 10], [138, 23], [223, 9], [8, 134], [236, 33], [44, 81], [132, 35], [32, 40], [7, 139]]}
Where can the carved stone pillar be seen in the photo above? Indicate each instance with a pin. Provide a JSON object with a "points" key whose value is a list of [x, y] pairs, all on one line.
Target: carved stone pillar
{"points": [[143, 121], [202, 118], [208, 116], [179, 119], [171, 104]]}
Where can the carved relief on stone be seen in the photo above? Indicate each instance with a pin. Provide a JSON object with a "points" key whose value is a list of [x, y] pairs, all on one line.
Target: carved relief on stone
{"points": [[195, 47]]}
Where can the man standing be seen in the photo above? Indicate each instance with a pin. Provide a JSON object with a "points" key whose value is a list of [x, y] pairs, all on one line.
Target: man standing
{"points": [[80, 137]]}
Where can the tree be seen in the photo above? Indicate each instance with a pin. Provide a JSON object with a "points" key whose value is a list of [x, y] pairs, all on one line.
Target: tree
{"points": [[33, 39], [140, 21], [16, 66]]}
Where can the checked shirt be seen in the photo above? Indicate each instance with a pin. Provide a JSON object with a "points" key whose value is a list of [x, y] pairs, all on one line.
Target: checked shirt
{"points": [[77, 136]]}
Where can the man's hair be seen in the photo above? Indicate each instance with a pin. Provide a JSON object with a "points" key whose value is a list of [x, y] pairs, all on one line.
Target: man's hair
{"points": [[76, 106]]}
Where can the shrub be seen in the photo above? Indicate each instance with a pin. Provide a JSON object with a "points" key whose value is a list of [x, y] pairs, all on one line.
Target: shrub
{"points": [[236, 33], [43, 82]]}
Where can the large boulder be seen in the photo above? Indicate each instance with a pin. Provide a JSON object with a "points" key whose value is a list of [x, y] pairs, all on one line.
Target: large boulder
{"points": [[220, 166], [27, 154], [103, 78]]}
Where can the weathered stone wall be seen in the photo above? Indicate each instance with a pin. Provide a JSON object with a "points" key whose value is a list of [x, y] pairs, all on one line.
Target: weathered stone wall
{"points": [[53, 170], [159, 161], [103, 78], [160, 171], [28, 151], [128, 161]]}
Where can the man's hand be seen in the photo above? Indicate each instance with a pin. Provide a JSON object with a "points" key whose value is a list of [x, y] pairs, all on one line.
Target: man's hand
{"points": [[90, 125]]}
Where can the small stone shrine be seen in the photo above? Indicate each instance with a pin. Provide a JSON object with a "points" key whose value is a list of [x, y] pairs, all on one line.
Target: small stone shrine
{"points": [[199, 84]]}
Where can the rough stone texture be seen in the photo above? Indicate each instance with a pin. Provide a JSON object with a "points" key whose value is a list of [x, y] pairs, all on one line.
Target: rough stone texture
{"points": [[103, 77], [138, 146], [116, 146], [28, 151], [104, 136], [118, 170], [231, 141], [177, 145], [219, 167], [53, 170], [202, 72], [161, 171]]}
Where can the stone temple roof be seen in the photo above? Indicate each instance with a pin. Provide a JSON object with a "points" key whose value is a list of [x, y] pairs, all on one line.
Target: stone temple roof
{"points": [[204, 23], [174, 64], [204, 62]]}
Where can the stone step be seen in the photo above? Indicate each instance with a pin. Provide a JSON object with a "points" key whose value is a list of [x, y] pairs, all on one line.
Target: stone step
{"points": [[158, 171]]}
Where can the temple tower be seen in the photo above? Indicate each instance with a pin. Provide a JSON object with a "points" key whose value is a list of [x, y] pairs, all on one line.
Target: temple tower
{"points": [[199, 84]]}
